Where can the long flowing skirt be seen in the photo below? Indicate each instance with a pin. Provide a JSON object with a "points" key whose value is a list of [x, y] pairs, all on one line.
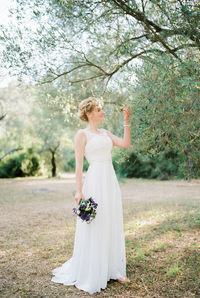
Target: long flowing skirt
{"points": [[99, 247]]}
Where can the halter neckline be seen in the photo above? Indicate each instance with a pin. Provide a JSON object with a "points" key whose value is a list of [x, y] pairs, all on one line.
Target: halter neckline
{"points": [[94, 132]]}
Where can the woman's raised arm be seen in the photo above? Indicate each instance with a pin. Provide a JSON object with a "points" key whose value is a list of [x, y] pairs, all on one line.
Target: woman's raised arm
{"points": [[126, 141]]}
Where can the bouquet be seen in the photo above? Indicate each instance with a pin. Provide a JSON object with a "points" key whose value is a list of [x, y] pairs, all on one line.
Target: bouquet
{"points": [[86, 210]]}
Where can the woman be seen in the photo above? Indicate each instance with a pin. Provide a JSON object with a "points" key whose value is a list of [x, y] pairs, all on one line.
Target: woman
{"points": [[99, 247]]}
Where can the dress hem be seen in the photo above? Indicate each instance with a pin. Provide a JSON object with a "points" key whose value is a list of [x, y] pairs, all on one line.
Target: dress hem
{"points": [[83, 289]]}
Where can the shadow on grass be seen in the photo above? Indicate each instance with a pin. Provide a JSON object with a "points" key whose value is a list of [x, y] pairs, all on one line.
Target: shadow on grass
{"points": [[164, 258], [181, 223]]}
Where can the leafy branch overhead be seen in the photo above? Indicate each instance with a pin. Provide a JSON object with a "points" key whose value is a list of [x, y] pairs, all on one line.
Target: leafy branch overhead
{"points": [[85, 39]]}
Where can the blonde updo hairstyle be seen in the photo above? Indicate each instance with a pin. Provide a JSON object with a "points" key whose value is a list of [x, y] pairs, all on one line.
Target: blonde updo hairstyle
{"points": [[88, 105]]}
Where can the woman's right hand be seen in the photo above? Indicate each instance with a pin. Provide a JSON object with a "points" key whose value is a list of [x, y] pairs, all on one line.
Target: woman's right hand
{"points": [[78, 196]]}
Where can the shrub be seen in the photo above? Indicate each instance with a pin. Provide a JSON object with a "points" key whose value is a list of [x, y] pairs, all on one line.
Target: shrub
{"points": [[20, 165], [163, 167]]}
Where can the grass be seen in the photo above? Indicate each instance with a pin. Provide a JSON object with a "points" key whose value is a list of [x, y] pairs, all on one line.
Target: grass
{"points": [[162, 230], [173, 270]]}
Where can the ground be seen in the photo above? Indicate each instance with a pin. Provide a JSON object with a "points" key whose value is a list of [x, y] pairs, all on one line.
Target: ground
{"points": [[162, 231]]}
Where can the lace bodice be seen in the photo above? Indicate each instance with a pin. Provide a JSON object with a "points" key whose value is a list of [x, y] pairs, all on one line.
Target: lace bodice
{"points": [[98, 146]]}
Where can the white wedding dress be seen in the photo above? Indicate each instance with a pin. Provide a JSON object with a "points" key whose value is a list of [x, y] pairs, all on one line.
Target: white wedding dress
{"points": [[99, 247]]}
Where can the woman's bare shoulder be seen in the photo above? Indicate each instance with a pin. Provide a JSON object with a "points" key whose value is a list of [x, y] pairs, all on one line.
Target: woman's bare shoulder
{"points": [[80, 133]]}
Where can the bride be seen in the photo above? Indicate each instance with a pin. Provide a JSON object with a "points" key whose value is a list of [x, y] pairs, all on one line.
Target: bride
{"points": [[99, 247]]}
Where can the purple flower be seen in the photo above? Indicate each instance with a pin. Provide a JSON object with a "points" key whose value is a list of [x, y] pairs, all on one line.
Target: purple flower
{"points": [[86, 210]]}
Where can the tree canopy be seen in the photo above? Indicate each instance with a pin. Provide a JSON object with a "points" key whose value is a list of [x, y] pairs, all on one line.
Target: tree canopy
{"points": [[86, 39]]}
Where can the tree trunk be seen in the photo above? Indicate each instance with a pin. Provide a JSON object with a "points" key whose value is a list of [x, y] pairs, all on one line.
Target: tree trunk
{"points": [[189, 162], [53, 159], [53, 163]]}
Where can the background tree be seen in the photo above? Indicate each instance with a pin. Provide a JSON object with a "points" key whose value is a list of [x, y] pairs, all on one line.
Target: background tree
{"points": [[14, 109], [47, 131], [167, 107], [33, 122]]}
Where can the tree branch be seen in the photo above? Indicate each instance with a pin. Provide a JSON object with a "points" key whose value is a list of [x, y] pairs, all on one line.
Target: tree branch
{"points": [[64, 73], [3, 116], [11, 151], [143, 6], [186, 45], [53, 149], [163, 43], [125, 62], [127, 40], [133, 57], [87, 79], [151, 26], [88, 63], [104, 73], [136, 14], [97, 66]]}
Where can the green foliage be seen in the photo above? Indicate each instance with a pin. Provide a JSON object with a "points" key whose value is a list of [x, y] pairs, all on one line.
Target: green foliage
{"points": [[167, 107], [112, 34], [128, 165], [68, 165], [164, 167], [20, 165]]}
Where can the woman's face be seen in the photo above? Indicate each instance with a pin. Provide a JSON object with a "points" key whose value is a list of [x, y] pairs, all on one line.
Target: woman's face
{"points": [[97, 114]]}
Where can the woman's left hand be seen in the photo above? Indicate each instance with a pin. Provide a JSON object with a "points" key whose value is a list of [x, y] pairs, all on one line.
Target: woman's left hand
{"points": [[126, 111]]}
